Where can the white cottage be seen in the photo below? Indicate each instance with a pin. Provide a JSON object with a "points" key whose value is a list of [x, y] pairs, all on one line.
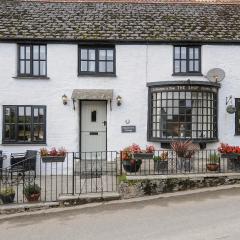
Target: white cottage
{"points": [[100, 76]]}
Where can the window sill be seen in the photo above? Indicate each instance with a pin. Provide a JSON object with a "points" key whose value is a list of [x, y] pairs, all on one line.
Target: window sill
{"points": [[24, 144], [187, 74], [97, 75], [32, 77]]}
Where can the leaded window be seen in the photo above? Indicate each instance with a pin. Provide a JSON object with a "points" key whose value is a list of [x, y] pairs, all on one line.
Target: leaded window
{"points": [[96, 60], [32, 60], [183, 112], [187, 60], [24, 124]]}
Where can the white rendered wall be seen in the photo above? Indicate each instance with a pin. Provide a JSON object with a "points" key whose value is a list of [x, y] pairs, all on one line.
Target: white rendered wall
{"points": [[135, 65]]}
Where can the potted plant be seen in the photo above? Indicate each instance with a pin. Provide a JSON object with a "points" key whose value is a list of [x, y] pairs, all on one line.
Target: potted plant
{"points": [[213, 162], [161, 162], [32, 192], [7, 195], [184, 151], [232, 153], [129, 163], [53, 155]]}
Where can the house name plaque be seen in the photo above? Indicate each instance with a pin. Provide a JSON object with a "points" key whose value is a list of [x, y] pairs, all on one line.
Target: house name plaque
{"points": [[128, 129]]}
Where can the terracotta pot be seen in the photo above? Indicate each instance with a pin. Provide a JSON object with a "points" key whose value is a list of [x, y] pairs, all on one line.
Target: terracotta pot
{"points": [[212, 167], [33, 197]]}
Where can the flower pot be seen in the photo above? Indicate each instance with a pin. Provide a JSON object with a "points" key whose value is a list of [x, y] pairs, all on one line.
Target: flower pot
{"points": [[7, 198], [132, 165], [47, 159], [33, 197], [161, 166], [212, 167], [230, 155], [143, 155]]}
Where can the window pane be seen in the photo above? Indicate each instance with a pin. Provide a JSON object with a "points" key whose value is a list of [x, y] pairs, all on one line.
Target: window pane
{"points": [[27, 67], [102, 66], [35, 52], [94, 116], [109, 54], [42, 68], [183, 52], [36, 68], [28, 133], [177, 52], [191, 56], [43, 52], [21, 118], [109, 66], [183, 66], [84, 54], [41, 115], [196, 66], [91, 54], [191, 65], [196, 50], [91, 66], [38, 133], [22, 52], [83, 66], [22, 67], [102, 54], [177, 66], [28, 52], [35, 115], [28, 116]]}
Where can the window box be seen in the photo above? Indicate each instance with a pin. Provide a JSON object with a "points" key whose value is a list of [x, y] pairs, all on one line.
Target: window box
{"points": [[49, 159], [142, 155]]}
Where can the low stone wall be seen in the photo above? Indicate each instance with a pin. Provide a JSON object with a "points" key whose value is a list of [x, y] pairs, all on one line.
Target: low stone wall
{"points": [[138, 186]]}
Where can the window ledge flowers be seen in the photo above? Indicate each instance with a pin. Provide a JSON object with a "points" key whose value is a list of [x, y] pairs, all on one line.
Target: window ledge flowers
{"points": [[53, 155]]}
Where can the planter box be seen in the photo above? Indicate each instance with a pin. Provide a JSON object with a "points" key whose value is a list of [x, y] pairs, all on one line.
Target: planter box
{"points": [[161, 166], [143, 155], [7, 198], [230, 155], [47, 159]]}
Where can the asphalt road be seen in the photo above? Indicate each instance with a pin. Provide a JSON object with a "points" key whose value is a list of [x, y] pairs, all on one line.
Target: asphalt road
{"points": [[214, 215]]}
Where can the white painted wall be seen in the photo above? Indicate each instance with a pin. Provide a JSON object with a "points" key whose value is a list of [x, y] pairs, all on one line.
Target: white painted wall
{"points": [[135, 65]]}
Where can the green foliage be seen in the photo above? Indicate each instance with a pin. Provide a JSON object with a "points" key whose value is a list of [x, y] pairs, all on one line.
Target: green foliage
{"points": [[122, 178], [7, 191], [214, 158], [31, 189]]}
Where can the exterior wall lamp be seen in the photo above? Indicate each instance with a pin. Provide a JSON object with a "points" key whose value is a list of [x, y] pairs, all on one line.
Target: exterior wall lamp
{"points": [[119, 100], [230, 107], [64, 99]]}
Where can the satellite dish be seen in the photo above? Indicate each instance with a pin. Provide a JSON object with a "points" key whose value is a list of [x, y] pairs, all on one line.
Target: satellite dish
{"points": [[215, 75]]}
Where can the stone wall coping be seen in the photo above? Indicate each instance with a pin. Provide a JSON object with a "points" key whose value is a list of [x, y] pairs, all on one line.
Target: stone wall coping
{"points": [[192, 176]]}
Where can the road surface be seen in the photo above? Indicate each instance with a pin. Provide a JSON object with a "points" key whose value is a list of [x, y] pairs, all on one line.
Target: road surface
{"points": [[214, 215]]}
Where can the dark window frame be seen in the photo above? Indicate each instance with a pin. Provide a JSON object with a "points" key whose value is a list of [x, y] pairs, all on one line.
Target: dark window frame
{"points": [[32, 60], [237, 117], [188, 72], [96, 72], [32, 124], [198, 139]]}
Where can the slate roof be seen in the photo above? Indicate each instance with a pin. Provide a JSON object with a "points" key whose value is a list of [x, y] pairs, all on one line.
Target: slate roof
{"points": [[119, 21]]}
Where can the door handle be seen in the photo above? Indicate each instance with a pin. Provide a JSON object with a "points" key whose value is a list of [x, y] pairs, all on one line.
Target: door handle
{"points": [[104, 123]]}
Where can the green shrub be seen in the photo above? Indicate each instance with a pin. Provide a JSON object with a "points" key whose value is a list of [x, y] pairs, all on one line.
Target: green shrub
{"points": [[7, 191], [31, 189], [214, 158]]}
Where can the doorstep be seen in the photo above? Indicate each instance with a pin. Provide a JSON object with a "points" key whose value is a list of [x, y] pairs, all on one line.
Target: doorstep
{"points": [[25, 207], [78, 199]]}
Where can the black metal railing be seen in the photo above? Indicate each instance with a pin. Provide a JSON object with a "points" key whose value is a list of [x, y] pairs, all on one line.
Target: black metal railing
{"points": [[167, 162], [94, 172]]}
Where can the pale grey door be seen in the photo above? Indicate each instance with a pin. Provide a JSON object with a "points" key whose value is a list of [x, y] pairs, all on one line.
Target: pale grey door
{"points": [[93, 127]]}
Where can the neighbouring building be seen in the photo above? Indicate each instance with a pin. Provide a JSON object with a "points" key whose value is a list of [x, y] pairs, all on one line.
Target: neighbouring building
{"points": [[100, 76]]}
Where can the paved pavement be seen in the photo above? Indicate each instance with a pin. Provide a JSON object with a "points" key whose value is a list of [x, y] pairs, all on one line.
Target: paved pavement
{"points": [[202, 216]]}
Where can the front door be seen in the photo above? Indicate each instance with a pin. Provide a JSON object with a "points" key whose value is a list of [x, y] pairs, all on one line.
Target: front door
{"points": [[93, 127]]}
